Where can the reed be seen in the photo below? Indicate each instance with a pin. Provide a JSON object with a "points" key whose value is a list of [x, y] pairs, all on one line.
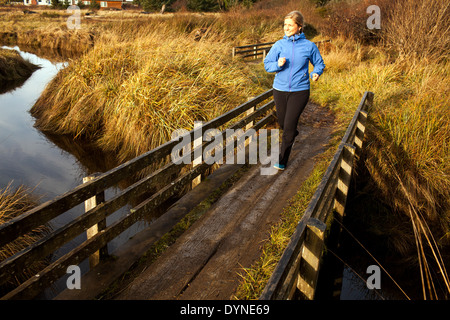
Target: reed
{"points": [[14, 202], [139, 84]]}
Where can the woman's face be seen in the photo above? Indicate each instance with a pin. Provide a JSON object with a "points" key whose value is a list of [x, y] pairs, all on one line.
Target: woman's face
{"points": [[290, 27]]}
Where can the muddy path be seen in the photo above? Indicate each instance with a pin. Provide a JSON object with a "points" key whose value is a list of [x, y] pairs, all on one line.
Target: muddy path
{"points": [[205, 262]]}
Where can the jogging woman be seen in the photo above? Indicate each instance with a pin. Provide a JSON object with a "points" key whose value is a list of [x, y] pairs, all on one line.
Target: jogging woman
{"points": [[289, 58]]}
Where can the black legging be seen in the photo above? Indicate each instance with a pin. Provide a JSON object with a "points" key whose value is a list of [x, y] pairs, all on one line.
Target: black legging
{"points": [[289, 107]]}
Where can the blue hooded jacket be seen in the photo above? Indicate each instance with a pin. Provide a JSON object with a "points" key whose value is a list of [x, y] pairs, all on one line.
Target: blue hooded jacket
{"points": [[298, 51]]}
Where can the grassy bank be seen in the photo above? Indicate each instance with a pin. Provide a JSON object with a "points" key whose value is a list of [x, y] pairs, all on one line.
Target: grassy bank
{"points": [[44, 29], [13, 67], [141, 82]]}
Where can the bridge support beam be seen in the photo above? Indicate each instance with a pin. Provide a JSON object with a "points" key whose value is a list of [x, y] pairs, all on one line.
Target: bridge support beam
{"points": [[310, 258], [89, 204]]}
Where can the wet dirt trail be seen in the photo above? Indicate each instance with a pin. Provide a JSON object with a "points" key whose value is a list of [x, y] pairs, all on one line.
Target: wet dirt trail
{"points": [[205, 262]]}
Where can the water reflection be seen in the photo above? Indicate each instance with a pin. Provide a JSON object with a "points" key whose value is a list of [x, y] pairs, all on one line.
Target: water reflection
{"points": [[6, 86], [51, 164], [27, 157]]}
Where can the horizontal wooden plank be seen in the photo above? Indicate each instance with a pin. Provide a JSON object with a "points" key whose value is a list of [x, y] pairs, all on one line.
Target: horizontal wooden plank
{"points": [[259, 49], [253, 45]]}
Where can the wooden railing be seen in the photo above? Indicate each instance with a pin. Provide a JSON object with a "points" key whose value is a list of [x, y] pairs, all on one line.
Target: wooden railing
{"points": [[252, 50], [259, 50], [296, 274], [250, 115]]}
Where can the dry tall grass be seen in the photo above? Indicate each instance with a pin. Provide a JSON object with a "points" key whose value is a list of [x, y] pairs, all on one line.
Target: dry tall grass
{"points": [[12, 204], [418, 29], [140, 83], [45, 29]]}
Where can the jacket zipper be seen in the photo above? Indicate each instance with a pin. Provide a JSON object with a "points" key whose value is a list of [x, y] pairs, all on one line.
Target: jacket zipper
{"points": [[292, 60]]}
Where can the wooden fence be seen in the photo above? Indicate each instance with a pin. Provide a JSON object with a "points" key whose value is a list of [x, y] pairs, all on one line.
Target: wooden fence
{"points": [[296, 274], [259, 50], [253, 114]]}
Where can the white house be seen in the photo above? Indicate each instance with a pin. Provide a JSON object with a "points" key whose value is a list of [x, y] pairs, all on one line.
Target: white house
{"points": [[37, 2]]}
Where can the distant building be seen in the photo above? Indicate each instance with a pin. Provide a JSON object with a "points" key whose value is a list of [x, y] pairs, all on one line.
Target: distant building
{"points": [[116, 4], [37, 2]]}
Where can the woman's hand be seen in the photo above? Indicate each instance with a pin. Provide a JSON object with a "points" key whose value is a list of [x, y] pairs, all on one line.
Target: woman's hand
{"points": [[281, 62], [315, 76]]}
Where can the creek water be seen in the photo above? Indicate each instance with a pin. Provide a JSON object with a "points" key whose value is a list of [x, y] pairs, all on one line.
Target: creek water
{"points": [[49, 165]]}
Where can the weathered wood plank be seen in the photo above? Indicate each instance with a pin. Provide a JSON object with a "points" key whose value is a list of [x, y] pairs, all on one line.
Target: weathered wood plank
{"points": [[89, 204], [258, 49], [252, 45], [310, 258]]}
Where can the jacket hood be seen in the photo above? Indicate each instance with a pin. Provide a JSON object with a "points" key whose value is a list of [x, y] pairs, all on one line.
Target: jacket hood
{"points": [[295, 37]]}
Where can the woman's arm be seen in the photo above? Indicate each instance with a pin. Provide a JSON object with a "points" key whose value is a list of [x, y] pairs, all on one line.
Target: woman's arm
{"points": [[271, 61], [317, 62]]}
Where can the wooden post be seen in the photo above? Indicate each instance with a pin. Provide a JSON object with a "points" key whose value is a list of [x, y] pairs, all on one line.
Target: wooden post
{"points": [[198, 141], [250, 124], [360, 130], [345, 172], [255, 52], [233, 52], [89, 204], [310, 258]]}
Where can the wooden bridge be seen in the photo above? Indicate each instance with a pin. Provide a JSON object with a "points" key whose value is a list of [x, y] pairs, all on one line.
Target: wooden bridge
{"points": [[296, 273]]}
